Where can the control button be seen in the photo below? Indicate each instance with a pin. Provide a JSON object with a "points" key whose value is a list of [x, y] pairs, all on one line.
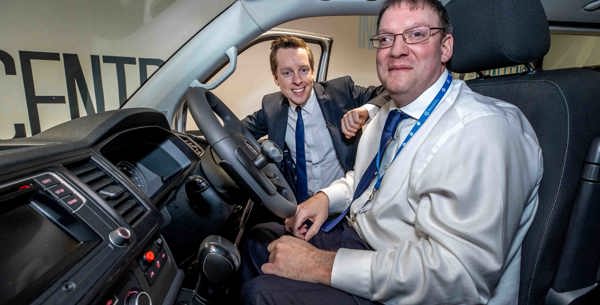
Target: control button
{"points": [[47, 180], [112, 301], [159, 243], [270, 174], [138, 298], [119, 236], [69, 286], [151, 275], [25, 187], [149, 256], [72, 201], [157, 264], [60, 191]]}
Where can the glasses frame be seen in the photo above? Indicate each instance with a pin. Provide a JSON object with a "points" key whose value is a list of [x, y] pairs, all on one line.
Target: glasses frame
{"points": [[375, 38]]}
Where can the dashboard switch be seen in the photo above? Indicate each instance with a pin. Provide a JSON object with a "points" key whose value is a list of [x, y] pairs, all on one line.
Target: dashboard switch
{"points": [[138, 298], [151, 274], [149, 256], [120, 236], [60, 191], [72, 201], [112, 301], [47, 180]]}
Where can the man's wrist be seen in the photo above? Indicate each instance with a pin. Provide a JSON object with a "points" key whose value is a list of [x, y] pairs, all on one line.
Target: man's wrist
{"points": [[322, 197], [325, 261], [337, 196]]}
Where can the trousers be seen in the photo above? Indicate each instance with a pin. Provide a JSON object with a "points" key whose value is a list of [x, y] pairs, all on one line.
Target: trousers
{"points": [[259, 288]]}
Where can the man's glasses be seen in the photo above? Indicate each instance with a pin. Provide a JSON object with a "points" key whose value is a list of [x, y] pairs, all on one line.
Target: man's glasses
{"points": [[410, 36]]}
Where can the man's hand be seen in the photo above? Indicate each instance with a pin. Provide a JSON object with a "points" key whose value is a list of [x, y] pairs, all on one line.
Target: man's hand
{"points": [[353, 121], [296, 259], [315, 209]]}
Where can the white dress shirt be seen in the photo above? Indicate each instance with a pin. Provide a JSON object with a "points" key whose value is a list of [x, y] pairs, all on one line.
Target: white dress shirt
{"points": [[449, 219], [322, 164]]}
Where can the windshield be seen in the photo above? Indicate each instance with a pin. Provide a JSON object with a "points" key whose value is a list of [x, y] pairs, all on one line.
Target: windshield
{"points": [[69, 58]]}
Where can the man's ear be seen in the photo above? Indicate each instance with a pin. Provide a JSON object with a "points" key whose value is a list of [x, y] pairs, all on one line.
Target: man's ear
{"points": [[447, 48], [275, 80]]}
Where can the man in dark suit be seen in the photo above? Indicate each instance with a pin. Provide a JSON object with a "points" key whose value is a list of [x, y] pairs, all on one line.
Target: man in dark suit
{"points": [[310, 114]]}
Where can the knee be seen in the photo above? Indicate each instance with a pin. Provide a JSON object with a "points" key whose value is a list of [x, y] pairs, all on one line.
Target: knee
{"points": [[253, 249], [257, 291], [261, 235]]}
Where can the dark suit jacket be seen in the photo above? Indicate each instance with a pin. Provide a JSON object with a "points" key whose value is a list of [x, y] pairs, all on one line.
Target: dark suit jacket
{"points": [[335, 98]]}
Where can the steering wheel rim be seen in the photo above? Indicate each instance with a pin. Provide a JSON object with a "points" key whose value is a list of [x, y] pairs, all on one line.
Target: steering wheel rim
{"points": [[240, 153]]}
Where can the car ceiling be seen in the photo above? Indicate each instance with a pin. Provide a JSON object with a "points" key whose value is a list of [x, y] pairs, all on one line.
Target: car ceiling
{"points": [[573, 11]]}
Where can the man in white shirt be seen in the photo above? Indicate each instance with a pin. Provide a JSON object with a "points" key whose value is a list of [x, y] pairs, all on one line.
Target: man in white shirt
{"points": [[441, 214]]}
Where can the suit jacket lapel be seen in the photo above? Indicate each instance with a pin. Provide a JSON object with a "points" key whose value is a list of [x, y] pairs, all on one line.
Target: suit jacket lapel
{"points": [[332, 113], [280, 117], [327, 107]]}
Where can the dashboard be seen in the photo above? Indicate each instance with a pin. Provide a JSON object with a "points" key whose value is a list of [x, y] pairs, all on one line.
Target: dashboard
{"points": [[80, 211], [154, 161]]}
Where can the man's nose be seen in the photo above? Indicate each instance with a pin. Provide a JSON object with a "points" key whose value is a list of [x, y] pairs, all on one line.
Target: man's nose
{"points": [[296, 78], [399, 47]]}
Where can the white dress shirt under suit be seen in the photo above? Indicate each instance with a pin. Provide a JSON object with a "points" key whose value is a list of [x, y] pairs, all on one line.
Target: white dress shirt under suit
{"points": [[453, 208]]}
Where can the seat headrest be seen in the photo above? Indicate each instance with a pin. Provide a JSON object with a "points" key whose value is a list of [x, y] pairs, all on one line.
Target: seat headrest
{"points": [[497, 33]]}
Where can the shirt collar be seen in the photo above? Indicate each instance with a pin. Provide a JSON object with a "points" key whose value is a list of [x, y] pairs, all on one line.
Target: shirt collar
{"points": [[416, 108]]}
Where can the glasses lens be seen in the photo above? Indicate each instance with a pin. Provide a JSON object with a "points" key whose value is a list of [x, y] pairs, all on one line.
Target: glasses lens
{"points": [[375, 42], [416, 35], [382, 41]]}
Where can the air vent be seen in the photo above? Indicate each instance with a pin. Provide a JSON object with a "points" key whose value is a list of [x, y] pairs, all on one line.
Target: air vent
{"points": [[192, 144], [113, 192]]}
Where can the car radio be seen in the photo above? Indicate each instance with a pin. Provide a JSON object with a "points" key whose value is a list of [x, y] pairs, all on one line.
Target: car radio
{"points": [[41, 237], [62, 245]]}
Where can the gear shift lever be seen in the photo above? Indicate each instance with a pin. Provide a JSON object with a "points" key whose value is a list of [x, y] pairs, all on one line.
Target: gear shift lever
{"points": [[218, 259]]}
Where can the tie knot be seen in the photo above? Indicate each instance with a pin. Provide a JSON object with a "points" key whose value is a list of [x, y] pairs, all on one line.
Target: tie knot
{"points": [[298, 109]]}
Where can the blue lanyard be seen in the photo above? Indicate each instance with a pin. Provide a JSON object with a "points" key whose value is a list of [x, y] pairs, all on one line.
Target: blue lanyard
{"points": [[436, 100]]}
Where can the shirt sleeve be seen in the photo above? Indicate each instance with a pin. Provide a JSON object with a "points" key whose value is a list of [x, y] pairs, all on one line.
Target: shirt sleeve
{"points": [[371, 109], [468, 203], [340, 193]]}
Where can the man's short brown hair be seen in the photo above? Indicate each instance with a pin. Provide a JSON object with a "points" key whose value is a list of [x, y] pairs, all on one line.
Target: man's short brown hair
{"points": [[291, 42], [436, 5]]}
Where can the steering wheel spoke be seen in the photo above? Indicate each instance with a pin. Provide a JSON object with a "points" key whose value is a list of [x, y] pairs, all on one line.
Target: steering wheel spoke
{"points": [[240, 153]]}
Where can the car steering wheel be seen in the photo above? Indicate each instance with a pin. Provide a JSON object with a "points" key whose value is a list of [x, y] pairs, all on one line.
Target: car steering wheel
{"points": [[240, 154]]}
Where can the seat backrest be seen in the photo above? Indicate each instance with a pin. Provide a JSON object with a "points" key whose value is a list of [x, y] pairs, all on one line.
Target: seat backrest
{"points": [[562, 106]]}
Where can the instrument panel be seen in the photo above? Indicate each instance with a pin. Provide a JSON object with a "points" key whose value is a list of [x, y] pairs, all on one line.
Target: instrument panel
{"points": [[153, 160]]}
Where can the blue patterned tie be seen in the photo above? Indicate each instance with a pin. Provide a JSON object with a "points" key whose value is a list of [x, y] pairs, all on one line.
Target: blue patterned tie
{"points": [[302, 178], [391, 123]]}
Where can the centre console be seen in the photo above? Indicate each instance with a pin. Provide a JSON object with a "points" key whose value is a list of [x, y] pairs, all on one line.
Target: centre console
{"points": [[63, 244]]}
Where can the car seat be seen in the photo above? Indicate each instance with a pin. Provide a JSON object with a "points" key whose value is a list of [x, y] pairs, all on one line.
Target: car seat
{"points": [[560, 255]]}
